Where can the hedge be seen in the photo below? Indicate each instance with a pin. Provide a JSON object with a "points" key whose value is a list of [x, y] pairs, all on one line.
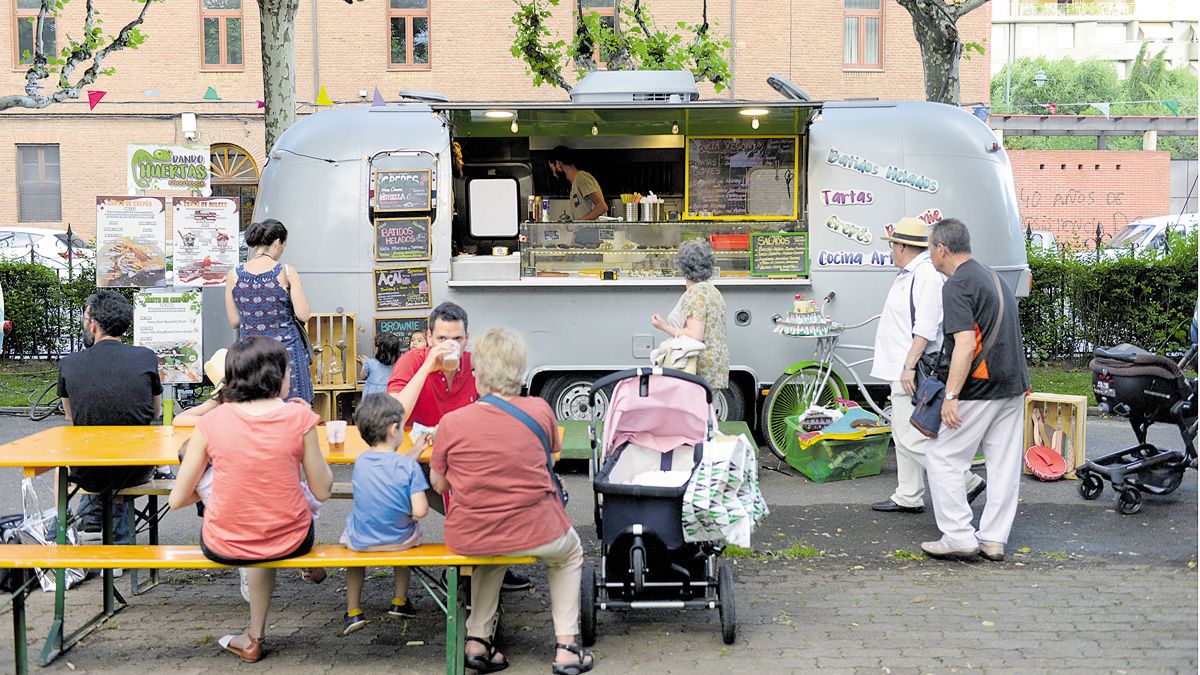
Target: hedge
{"points": [[45, 310], [1078, 303]]}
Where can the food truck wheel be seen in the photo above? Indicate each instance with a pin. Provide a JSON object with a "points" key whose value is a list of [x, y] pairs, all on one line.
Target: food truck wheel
{"points": [[730, 403], [568, 397], [786, 398]]}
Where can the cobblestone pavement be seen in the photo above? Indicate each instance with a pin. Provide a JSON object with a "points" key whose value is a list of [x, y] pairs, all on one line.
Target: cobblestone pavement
{"points": [[834, 588]]}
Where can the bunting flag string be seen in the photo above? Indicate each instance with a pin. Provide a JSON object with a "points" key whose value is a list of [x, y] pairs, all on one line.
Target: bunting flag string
{"points": [[378, 100], [323, 97], [1105, 107], [94, 96], [211, 95]]}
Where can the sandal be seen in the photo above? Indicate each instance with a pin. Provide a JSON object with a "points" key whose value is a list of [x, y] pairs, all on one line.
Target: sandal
{"points": [[251, 654], [484, 662], [574, 668], [313, 574]]}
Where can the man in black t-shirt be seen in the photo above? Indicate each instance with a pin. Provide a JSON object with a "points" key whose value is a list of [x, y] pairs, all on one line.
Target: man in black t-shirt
{"points": [[984, 399], [109, 384]]}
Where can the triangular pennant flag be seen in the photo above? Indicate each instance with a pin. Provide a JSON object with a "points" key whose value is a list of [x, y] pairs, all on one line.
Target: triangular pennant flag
{"points": [[323, 97], [261, 103], [1103, 107], [1051, 107], [94, 97], [378, 101], [211, 95], [1173, 106]]}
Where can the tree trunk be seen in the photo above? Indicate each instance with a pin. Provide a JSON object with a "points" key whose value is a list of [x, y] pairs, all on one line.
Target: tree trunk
{"points": [[279, 66], [940, 57]]}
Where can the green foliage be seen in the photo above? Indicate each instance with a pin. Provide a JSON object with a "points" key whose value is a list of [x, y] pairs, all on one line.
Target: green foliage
{"points": [[1069, 81], [1078, 303], [638, 45], [45, 310]]}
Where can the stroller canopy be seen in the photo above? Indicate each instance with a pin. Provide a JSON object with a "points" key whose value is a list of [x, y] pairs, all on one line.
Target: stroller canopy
{"points": [[673, 412]]}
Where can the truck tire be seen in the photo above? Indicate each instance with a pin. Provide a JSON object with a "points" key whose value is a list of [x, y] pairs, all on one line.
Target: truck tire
{"points": [[568, 397], [730, 403]]}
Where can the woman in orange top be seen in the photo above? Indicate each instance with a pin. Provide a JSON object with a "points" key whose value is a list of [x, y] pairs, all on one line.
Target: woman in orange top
{"points": [[257, 444]]}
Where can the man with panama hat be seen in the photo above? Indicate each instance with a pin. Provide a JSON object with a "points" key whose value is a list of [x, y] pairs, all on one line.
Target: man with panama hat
{"points": [[909, 327]]}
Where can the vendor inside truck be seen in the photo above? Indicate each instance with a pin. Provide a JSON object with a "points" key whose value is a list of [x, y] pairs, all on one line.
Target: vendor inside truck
{"points": [[586, 200]]}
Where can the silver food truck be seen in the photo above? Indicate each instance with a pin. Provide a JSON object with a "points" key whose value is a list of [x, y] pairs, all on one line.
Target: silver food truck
{"points": [[393, 209]]}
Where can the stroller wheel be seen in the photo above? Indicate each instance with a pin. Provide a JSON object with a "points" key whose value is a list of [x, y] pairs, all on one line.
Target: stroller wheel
{"points": [[1090, 485], [587, 606], [728, 606], [1129, 502]]}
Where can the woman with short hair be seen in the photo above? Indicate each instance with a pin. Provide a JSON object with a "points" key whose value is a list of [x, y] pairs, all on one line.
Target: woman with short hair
{"points": [[492, 456], [700, 313], [264, 297]]}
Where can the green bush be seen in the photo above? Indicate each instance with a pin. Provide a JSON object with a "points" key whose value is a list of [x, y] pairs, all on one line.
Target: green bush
{"points": [[45, 310], [1078, 303]]}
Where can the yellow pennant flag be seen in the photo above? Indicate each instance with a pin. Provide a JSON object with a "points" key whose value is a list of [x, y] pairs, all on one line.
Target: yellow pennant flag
{"points": [[323, 97]]}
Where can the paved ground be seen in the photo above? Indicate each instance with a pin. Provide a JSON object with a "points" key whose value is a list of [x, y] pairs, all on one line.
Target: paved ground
{"points": [[1090, 591]]}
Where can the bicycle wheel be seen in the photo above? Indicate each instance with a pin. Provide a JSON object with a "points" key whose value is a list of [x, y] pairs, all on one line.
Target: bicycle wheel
{"points": [[44, 406], [786, 399]]}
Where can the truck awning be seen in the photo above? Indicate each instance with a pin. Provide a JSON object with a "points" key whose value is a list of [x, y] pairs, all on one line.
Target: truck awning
{"points": [[628, 119]]}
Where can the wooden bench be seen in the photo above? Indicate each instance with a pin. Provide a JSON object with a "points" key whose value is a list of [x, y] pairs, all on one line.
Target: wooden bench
{"points": [[448, 598]]}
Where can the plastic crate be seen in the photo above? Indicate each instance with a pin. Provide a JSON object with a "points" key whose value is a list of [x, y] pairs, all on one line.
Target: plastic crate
{"points": [[838, 458], [730, 242]]}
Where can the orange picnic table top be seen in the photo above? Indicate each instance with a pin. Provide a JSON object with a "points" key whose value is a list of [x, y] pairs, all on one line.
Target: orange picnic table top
{"points": [[141, 446]]}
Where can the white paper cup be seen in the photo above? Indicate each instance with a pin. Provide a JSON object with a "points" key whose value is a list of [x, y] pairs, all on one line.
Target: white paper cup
{"points": [[335, 431], [450, 361]]}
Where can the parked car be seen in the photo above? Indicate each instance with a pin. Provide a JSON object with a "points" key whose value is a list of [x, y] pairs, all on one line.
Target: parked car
{"points": [[48, 247], [1150, 233], [1041, 239]]}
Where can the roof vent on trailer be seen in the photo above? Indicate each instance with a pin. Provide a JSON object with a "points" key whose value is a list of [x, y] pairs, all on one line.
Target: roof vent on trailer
{"points": [[636, 86]]}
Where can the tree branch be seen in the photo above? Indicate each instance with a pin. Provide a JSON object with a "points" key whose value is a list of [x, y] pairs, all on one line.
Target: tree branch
{"points": [[641, 20], [80, 53], [967, 6]]}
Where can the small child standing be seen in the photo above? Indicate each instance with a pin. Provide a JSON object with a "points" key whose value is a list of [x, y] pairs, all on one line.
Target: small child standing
{"points": [[378, 371], [389, 497]]}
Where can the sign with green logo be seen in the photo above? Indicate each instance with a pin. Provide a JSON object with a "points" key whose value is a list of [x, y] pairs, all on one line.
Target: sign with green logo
{"points": [[154, 168]]}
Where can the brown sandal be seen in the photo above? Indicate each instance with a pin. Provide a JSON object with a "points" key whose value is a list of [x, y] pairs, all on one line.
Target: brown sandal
{"points": [[251, 654], [313, 574]]}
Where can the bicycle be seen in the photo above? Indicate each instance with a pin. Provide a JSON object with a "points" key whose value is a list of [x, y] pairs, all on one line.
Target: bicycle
{"points": [[814, 382]]}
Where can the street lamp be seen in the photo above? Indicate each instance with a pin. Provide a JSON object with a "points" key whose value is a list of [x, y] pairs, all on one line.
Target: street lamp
{"points": [[1039, 80]]}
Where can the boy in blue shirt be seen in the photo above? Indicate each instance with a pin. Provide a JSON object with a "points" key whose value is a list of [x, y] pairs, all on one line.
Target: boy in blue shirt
{"points": [[389, 497]]}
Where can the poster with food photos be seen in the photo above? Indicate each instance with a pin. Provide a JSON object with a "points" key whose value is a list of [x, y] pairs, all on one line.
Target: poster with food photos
{"points": [[206, 239], [169, 325], [131, 241]]}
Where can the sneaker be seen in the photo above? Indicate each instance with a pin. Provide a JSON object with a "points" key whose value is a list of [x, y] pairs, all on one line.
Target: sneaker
{"points": [[514, 581], [937, 549], [991, 550], [889, 506], [353, 623], [402, 608], [118, 572], [244, 583], [976, 491], [91, 536]]}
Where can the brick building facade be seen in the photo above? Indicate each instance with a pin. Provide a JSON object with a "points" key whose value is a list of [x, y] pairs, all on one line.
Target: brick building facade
{"points": [[831, 48]]}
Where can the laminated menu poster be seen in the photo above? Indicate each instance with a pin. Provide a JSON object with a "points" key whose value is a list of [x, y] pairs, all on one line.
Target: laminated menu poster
{"points": [[402, 327], [402, 288], [404, 190], [131, 241], [206, 239], [778, 254], [401, 239], [169, 325]]}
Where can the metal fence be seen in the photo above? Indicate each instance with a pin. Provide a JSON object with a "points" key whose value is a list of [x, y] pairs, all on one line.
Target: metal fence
{"points": [[45, 311]]}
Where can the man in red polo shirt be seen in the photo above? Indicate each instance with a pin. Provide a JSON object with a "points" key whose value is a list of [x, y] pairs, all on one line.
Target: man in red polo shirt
{"points": [[429, 387]]}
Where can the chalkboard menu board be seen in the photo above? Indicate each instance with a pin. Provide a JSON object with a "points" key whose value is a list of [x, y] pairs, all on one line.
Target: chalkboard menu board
{"points": [[402, 327], [401, 239], [741, 178], [402, 288], [778, 254], [403, 190]]}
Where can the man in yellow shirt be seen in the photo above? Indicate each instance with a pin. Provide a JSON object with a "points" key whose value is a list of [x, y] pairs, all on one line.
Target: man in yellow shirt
{"points": [[587, 200]]}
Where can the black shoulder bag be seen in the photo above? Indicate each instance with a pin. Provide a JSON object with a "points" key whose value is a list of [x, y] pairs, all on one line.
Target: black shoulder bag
{"points": [[532, 425], [927, 410]]}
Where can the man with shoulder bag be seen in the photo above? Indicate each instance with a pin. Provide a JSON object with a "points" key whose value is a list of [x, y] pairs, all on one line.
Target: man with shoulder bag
{"points": [[909, 336], [982, 402]]}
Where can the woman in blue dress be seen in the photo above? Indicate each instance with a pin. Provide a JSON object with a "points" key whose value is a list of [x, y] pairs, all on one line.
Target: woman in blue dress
{"points": [[256, 300]]}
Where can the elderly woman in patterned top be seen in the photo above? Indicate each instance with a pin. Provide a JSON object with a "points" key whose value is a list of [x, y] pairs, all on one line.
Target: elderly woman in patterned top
{"points": [[260, 296], [700, 313]]}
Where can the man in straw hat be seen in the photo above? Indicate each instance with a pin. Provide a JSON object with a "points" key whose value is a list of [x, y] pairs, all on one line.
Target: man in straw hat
{"points": [[910, 327]]}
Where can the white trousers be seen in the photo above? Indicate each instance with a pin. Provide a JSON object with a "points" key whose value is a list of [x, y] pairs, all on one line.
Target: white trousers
{"points": [[996, 426], [910, 454]]}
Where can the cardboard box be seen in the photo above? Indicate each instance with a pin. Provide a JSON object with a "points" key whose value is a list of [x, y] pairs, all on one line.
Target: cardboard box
{"points": [[1058, 412]]}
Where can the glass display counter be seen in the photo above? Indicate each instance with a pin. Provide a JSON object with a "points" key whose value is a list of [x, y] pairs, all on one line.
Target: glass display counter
{"points": [[614, 250]]}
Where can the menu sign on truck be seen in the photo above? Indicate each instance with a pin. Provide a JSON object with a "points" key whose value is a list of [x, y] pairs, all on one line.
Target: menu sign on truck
{"points": [[778, 254], [741, 178], [404, 190], [402, 327], [402, 288], [401, 239]]}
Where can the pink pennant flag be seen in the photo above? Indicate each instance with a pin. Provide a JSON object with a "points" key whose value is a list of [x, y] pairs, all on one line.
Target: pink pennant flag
{"points": [[94, 97], [378, 99], [261, 104], [1052, 108]]}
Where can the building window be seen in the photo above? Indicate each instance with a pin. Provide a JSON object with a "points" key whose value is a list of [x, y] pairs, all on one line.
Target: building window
{"points": [[25, 16], [39, 184], [408, 22], [863, 34], [606, 10], [221, 34]]}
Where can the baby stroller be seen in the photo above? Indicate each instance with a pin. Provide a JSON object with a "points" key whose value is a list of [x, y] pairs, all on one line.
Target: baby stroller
{"points": [[1146, 388], [657, 423]]}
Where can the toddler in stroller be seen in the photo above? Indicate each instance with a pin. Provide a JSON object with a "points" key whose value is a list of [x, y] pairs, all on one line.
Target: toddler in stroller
{"points": [[654, 433], [1146, 388]]}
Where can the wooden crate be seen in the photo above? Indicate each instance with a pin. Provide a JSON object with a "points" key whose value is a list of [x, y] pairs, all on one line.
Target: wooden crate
{"points": [[1063, 412], [327, 331], [321, 404]]}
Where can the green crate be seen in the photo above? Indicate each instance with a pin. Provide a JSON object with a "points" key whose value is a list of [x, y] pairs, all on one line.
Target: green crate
{"points": [[838, 459]]}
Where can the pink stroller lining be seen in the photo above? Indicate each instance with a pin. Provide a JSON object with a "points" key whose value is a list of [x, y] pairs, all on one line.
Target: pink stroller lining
{"points": [[674, 413]]}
